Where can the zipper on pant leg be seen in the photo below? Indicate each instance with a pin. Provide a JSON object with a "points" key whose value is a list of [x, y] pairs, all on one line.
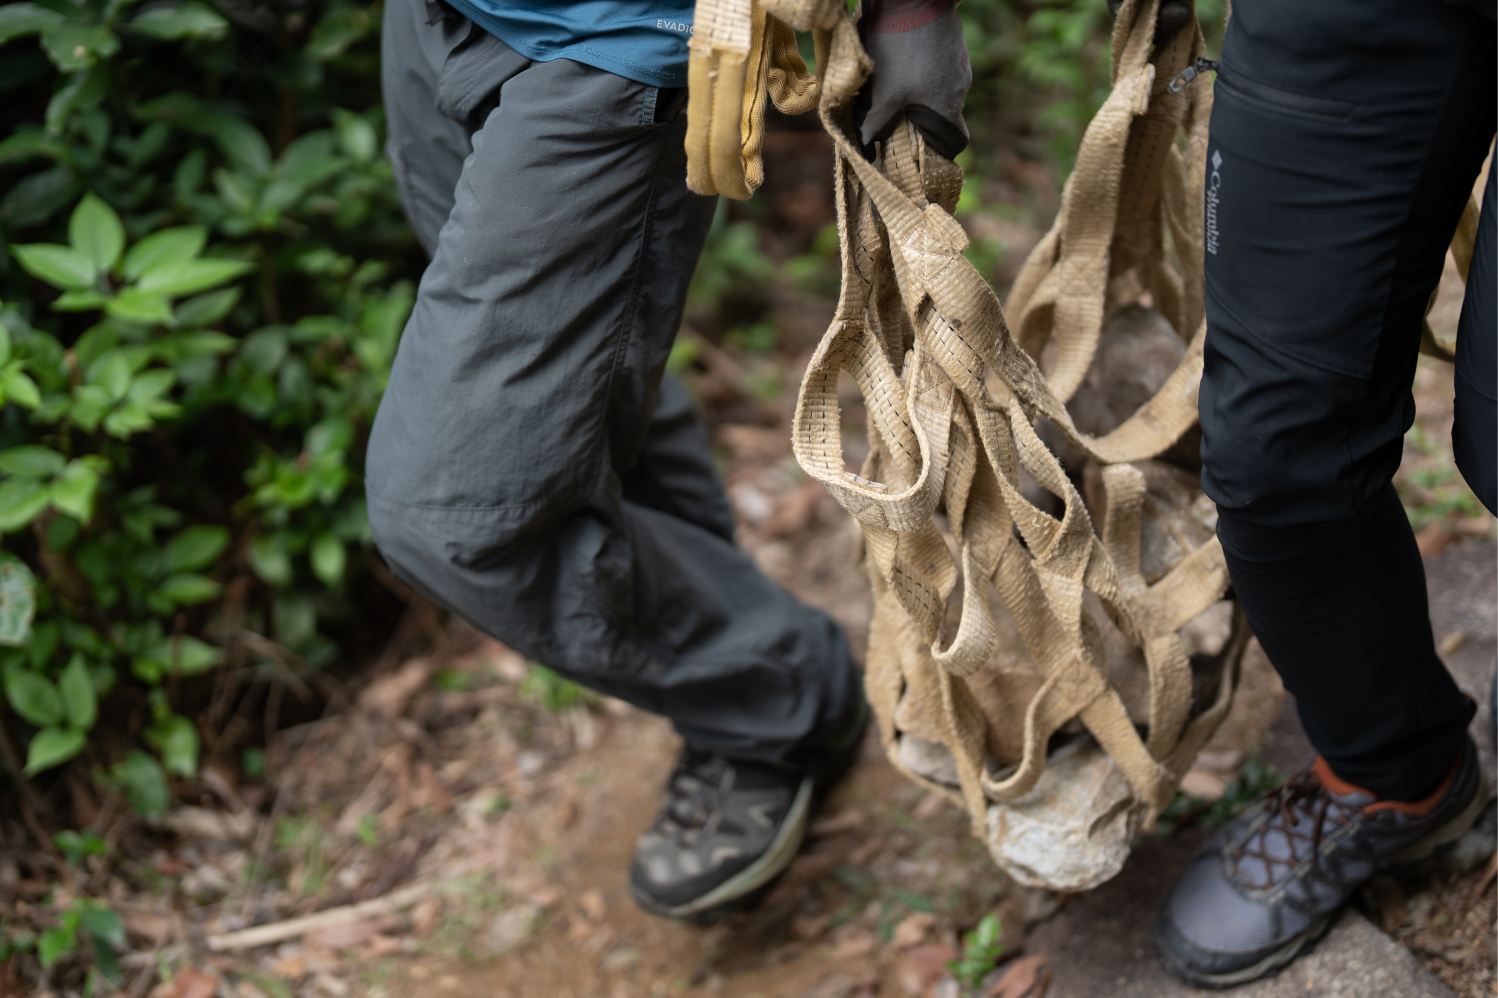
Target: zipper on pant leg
{"points": [[1183, 79]]}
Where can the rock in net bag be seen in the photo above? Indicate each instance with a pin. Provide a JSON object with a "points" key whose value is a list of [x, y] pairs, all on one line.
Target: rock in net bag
{"points": [[1034, 565]]}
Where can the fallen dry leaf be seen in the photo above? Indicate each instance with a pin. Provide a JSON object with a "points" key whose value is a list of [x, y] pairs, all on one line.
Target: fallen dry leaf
{"points": [[922, 966], [930, 806], [1021, 978], [1433, 539], [855, 944], [381, 945], [293, 967], [425, 915], [1452, 642], [593, 905], [912, 930], [390, 694], [809, 928], [1204, 783], [156, 928], [191, 983]]}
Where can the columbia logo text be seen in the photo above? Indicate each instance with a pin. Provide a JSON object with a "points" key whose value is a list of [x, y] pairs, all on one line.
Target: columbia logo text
{"points": [[1213, 183]]}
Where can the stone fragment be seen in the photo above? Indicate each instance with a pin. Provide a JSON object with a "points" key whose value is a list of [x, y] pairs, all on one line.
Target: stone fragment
{"points": [[1072, 831]]}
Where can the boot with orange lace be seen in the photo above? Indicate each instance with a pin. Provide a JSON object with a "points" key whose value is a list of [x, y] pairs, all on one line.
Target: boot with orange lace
{"points": [[1265, 887]]}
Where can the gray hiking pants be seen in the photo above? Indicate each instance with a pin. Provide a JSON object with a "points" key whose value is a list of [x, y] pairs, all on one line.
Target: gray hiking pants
{"points": [[529, 468]]}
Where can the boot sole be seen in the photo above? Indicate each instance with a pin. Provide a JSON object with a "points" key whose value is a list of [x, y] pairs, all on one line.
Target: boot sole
{"points": [[1270, 964], [747, 886]]}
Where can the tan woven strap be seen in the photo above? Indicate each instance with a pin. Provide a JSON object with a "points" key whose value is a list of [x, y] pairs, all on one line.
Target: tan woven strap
{"points": [[740, 57], [953, 397]]}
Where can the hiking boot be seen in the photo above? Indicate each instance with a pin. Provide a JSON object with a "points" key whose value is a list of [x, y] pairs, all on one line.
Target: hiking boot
{"points": [[730, 828], [1265, 887]]}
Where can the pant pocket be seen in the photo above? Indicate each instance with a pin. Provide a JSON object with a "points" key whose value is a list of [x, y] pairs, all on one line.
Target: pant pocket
{"points": [[1274, 99], [469, 84]]}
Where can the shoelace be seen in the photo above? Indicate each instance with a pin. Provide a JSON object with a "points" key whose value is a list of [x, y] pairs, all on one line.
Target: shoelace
{"points": [[1304, 788], [695, 788]]}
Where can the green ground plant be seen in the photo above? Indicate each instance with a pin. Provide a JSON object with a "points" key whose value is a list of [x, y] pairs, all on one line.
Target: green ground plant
{"points": [[981, 949]]}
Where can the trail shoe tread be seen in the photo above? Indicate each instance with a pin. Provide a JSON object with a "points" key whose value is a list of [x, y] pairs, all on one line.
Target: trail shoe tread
{"points": [[1265, 887], [730, 827]]}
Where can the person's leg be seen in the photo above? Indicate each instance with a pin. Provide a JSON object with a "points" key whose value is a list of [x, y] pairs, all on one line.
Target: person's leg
{"points": [[1345, 136], [522, 389], [435, 62]]}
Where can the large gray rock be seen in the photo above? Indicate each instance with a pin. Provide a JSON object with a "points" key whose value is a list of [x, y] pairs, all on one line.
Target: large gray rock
{"points": [[1100, 945]]}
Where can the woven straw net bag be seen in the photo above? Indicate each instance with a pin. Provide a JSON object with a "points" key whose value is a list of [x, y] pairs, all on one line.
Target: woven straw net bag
{"points": [[1026, 654]]}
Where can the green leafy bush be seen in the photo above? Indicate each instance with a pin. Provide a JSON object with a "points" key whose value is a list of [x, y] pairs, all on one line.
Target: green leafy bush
{"points": [[204, 278]]}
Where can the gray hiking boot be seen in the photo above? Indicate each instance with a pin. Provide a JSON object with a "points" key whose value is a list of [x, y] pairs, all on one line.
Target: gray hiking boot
{"points": [[1265, 887], [730, 827]]}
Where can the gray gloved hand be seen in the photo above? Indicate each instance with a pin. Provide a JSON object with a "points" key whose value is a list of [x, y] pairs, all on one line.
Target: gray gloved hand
{"points": [[921, 72], [1172, 17]]}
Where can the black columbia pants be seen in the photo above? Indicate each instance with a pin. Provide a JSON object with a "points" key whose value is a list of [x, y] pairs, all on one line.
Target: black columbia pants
{"points": [[1346, 136], [529, 467]]}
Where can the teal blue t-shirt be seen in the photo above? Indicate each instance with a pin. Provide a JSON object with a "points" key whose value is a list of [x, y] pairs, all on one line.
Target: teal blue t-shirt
{"points": [[641, 40]]}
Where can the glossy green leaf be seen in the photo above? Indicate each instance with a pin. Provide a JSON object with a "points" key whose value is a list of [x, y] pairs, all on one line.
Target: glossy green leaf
{"points": [[189, 589], [95, 231], [33, 696], [17, 601], [144, 784], [31, 461], [20, 389], [329, 558], [269, 560], [104, 925], [206, 309], [52, 747], [18, 19], [185, 655], [336, 433], [194, 549], [152, 383], [242, 144], [55, 943], [191, 276], [111, 372], [177, 741], [167, 246], [74, 490], [59, 266], [75, 45], [144, 307], [79, 301], [21, 499], [77, 687], [356, 136], [187, 21]]}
